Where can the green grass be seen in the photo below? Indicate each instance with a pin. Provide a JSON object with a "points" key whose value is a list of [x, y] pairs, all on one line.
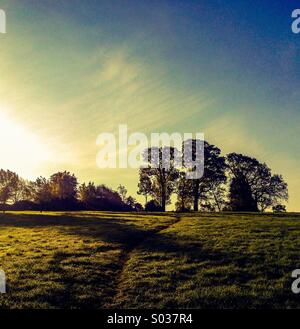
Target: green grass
{"points": [[105, 260]]}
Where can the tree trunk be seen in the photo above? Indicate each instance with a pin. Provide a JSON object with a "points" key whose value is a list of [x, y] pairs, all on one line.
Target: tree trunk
{"points": [[196, 195], [182, 203], [163, 199], [163, 202], [217, 202]]}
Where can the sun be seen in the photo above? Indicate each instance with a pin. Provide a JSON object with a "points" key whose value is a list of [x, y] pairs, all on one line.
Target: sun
{"points": [[20, 149]]}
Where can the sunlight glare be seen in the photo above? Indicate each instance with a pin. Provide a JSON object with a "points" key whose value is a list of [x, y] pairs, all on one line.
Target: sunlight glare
{"points": [[20, 150]]}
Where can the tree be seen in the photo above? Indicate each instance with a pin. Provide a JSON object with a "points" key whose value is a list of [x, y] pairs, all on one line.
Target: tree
{"points": [[41, 191], [153, 206], [99, 197], [108, 199], [266, 189], [183, 192], [138, 207], [144, 185], [123, 192], [214, 170], [8, 185], [4, 196], [162, 173], [240, 196], [279, 208], [133, 204], [215, 198], [87, 194], [270, 192], [130, 201], [63, 186], [22, 192]]}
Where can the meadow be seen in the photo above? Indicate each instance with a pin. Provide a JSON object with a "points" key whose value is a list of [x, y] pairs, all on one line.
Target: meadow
{"points": [[138, 260]]}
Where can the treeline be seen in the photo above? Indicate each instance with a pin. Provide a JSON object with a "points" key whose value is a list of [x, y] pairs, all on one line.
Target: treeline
{"points": [[233, 183], [60, 192]]}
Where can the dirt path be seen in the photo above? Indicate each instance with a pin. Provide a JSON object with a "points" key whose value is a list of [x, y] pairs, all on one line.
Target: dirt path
{"points": [[126, 256]]}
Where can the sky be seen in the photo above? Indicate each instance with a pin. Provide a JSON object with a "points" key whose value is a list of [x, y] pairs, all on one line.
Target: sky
{"points": [[71, 70]]}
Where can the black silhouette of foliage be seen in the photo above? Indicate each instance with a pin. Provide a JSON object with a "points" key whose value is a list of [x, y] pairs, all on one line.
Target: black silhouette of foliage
{"points": [[214, 171], [100, 197], [59, 192], [153, 205], [279, 208], [144, 185], [183, 191], [266, 189], [133, 204], [63, 186], [122, 192], [41, 190], [240, 196], [215, 198], [252, 186], [161, 172]]}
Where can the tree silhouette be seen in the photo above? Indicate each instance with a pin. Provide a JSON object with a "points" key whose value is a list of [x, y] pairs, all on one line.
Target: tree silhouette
{"points": [[41, 191], [144, 185], [183, 192], [99, 197], [214, 198], [87, 194], [133, 204], [22, 191], [8, 185], [266, 189], [240, 196], [252, 186], [122, 192], [279, 208], [214, 170], [162, 173], [63, 186], [153, 206]]}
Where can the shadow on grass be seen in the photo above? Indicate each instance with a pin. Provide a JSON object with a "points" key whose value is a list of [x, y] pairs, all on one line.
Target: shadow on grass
{"points": [[119, 231], [111, 229]]}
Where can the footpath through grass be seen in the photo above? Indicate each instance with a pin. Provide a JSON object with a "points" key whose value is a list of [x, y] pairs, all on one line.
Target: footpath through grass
{"points": [[104, 260]]}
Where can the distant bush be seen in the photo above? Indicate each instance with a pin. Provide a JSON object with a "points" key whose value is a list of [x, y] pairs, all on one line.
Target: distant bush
{"points": [[153, 206], [24, 205], [279, 208]]}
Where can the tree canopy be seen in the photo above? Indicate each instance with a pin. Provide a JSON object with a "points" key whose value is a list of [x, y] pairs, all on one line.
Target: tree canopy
{"points": [[236, 182]]}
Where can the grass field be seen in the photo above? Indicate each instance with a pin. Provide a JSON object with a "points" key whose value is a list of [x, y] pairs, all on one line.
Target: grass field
{"points": [[120, 260]]}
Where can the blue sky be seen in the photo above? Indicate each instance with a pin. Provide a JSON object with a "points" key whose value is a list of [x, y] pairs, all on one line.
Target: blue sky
{"points": [[73, 69]]}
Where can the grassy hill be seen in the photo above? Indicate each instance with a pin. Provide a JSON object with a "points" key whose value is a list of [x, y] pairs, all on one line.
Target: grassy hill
{"points": [[105, 260]]}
